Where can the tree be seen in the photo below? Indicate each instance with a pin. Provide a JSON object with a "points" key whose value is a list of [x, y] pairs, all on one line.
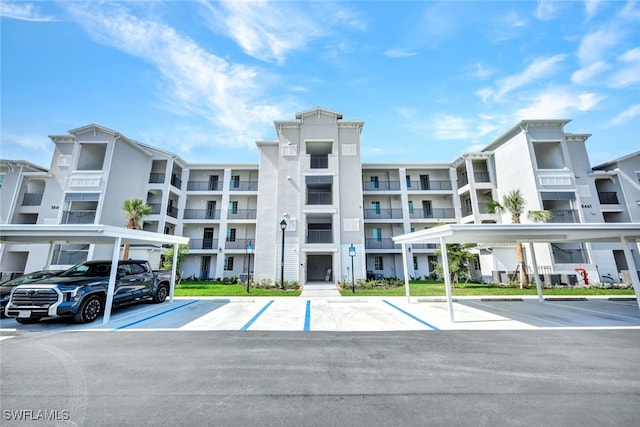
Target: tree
{"points": [[459, 259], [514, 203], [134, 209], [167, 257]]}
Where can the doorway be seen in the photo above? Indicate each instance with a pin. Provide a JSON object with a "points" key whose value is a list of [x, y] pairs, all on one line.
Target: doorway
{"points": [[319, 268]]}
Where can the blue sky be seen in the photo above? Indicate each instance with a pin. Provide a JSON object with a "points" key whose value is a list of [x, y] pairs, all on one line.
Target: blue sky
{"points": [[206, 79]]}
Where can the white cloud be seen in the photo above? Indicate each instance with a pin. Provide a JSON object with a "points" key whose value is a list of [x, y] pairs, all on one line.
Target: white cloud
{"points": [[197, 82], [589, 73], [546, 10], [594, 46], [558, 103], [628, 72], [399, 53], [22, 11], [628, 114], [590, 8], [539, 68]]}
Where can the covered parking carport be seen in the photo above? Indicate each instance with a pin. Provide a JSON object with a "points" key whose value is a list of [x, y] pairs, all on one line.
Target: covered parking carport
{"points": [[91, 233], [627, 234]]}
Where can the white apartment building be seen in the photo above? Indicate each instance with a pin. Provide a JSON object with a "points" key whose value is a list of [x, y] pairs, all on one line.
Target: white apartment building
{"points": [[311, 181]]}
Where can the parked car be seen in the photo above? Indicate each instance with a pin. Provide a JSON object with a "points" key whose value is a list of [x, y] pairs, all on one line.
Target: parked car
{"points": [[7, 287], [81, 291]]}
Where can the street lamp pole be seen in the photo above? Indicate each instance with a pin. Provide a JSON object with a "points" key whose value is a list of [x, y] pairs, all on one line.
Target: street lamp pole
{"points": [[352, 254], [283, 227], [249, 252]]}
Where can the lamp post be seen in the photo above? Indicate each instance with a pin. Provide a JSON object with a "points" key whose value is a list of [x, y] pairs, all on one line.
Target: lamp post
{"points": [[249, 252], [352, 254], [283, 226]]}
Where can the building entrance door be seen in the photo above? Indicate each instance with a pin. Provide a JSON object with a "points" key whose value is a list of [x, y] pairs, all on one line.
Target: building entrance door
{"points": [[319, 268]]}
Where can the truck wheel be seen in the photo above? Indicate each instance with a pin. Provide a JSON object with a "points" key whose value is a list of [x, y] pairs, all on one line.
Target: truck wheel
{"points": [[25, 321], [89, 310], [161, 294]]}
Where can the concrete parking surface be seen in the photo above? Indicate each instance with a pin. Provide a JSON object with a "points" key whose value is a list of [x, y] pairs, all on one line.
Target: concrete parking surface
{"points": [[359, 314]]}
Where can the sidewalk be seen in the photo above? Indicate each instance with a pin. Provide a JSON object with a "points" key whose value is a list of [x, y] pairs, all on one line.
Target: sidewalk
{"points": [[320, 289]]}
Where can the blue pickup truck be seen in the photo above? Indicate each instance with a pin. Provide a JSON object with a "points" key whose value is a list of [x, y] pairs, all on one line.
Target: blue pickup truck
{"points": [[81, 291]]}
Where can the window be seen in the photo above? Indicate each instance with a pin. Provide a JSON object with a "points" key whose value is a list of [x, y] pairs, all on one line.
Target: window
{"points": [[426, 209], [376, 233], [375, 208], [410, 206], [233, 207], [415, 262], [374, 182], [228, 263], [377, 263], [235, 181], [231, 234], [1, 179], [408, 181], [638, 176], [213, 182]]}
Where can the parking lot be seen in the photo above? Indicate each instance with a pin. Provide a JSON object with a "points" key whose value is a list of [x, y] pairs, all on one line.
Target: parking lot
{"points": [[357, 314]]}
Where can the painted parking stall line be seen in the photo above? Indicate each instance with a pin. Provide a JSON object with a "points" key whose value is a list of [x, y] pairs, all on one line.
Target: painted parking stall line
{"points": [[154, 315], [254, 318], [307, 317], [412, 316]]}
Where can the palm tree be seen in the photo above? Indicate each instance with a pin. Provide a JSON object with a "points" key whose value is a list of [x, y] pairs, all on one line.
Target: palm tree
{"points": [[514, 203], [134, 209]]}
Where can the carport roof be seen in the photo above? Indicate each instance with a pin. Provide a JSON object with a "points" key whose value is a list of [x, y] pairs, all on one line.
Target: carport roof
{"points": [[535, 233], [82, 233]]}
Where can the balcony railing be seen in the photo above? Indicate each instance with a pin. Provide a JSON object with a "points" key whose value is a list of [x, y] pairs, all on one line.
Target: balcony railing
{"points": [[608, 197], [176, 182], [477, 177], [155, 208], [79, 217], [436, 213], [172, 211], [63, 257], [319, 236], [203, 244], [388, 213], [238, 243], [32, 199], [381, 185], [425, 246], [428, 185], [319, 198], [242, 214], [204, 186], [243, 186], [319, 161], [564, 215], [156, 178], [201, 214], [381, 243], [569, 256]]}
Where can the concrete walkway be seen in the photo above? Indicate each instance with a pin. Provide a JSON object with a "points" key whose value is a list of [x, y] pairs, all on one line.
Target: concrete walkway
{"points": [[320, 289]]}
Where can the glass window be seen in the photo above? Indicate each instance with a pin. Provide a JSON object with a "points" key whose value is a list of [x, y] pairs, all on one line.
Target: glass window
{"points": [[235, 181], [375, 208], [377, 234], [410, 206], [233, 207], [228, 263], [408, 181], [231, 234], [374, 182], [377, 263]]}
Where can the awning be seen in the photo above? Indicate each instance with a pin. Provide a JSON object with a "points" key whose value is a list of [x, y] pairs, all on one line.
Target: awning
{"points": [[96, 234], [625, 233]]}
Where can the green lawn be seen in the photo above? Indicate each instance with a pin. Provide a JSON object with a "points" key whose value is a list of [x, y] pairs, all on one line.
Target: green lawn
{"points": [[418, 288], [215, 289]]}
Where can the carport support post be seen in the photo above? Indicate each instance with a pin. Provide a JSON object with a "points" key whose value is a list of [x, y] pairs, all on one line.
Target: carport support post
{"points": [[535, 272], [447, 277], [632, 268], [406, 272], [112, 280], [174, 267]]}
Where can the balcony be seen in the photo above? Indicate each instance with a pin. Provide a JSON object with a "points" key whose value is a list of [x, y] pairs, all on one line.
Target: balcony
{"points": [[176, 182], [172, 211], [425, 246], [203, 244], [477, 177], [436, 213], [78, 217], [238, 243], [156, 178], [155, 208], [569, 256], [381, 185], [564, 216], [380, 243], [243, 186], [204, 186], [201, 214], [319, 236], [383, 214], [242, 214], [608, 198], [428, 185], [319, 161], [32, 199], [319, 197]]}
